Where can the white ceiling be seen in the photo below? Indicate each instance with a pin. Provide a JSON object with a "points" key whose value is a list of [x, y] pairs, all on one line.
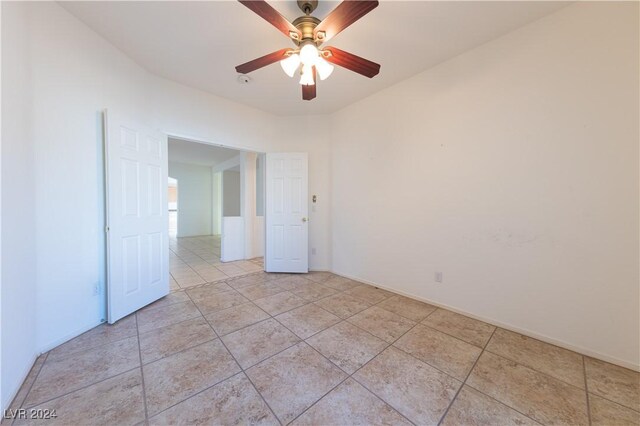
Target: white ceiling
{"points": [[199, 43], [181, 151]]}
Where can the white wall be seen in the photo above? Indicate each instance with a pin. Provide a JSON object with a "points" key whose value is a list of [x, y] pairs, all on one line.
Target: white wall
{"points": [[69, 74], [248, 199], [319, 149], [260, 185], [18, 344], [74, 76], [195, 204], [230, 193], [513, 169], [217, 202], [258, 231]]}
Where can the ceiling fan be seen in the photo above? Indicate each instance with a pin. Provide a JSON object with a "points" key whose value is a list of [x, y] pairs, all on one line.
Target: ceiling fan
{"points": [[308, 33]]}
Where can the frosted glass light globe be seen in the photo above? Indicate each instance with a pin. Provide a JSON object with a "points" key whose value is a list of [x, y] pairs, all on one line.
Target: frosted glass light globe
{"points": [[307, 76], [309, 54], [290, 65], [324, 68]]}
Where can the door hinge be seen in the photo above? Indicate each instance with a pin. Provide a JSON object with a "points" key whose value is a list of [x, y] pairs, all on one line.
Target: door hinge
{"points": [[106, 229]]}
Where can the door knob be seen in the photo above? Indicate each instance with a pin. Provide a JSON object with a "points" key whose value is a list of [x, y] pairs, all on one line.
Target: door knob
{"points": [[304, 219]]}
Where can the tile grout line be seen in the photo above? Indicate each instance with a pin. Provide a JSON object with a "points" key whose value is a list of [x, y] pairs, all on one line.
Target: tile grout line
{"points": [[199, 392], [242, 328], [84, 387], [46, 356], [539, 372], [180, 351], [339, 368], [326, 358], [389, 345], [586, 389], [451, 335], [615, 402], [165, 326], [242, 370], [402, 350], [289, 347], [321, 307], [350, 376], [218, 281], [503, 403], [119, 339], [493, 325], [258, 392], [496, 328], [465, 380], [187, 264], [532, 368], [481, 392], [144, 388]]}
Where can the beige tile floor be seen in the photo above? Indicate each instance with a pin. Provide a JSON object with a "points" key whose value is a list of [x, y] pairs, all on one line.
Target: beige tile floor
{"points": [[196, 260], [317, 349]]}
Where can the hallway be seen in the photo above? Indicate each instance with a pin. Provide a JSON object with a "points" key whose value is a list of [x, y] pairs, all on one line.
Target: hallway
{"points": [[196, 260]]}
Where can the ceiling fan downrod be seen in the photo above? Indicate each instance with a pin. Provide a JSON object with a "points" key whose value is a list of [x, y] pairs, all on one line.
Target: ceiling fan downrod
{"points": [[307, 6]]}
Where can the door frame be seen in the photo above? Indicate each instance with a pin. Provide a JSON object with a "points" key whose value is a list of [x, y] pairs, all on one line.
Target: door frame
{"points": [[204, 141]]}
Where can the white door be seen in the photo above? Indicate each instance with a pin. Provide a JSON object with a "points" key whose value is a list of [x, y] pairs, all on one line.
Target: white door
{"points": [[287, 226], [137, 216]]}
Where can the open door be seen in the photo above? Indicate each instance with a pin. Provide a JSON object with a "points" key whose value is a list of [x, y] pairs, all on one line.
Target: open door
{"points": [[137, 216], [286, 221]]}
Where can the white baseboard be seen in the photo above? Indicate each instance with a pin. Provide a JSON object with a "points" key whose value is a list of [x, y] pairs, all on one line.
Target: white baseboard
{"points": [[44, 349], [7, 403], [66, 338], [510, 327]]}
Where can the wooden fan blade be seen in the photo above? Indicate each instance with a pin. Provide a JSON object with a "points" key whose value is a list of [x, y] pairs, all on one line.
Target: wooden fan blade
{"points": [[272, 16], [351, 62], [262, 61], [309, 92], [347, 12]]}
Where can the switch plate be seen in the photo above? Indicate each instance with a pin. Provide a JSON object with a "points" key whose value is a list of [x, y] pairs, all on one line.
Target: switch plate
{"points": [[438, 277]]}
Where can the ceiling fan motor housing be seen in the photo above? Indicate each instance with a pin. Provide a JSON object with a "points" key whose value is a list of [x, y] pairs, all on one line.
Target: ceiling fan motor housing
{"points": [[306, 25]]}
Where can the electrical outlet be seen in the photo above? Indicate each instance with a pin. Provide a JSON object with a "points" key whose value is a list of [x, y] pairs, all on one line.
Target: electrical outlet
{"points": [[313, 251], [438, 277]]}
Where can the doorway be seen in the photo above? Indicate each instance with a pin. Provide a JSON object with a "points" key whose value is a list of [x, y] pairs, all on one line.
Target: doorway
{"points": [[213, 204], [172, 197], [143, 263]]}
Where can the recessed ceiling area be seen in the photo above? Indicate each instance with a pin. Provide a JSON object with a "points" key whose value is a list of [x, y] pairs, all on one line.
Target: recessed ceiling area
{"points": [[199, 44], [182, 151]]}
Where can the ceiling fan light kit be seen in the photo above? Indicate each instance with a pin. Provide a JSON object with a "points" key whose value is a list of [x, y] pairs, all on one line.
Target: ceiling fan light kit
{"points": [[308, 33]]}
